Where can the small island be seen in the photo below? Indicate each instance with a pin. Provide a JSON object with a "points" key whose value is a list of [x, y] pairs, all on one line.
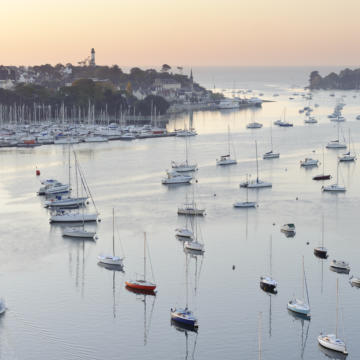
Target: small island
{"points": [[347, 79]]}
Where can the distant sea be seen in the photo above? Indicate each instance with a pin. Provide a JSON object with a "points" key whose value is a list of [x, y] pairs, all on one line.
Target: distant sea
{"points": [[253, 77], [260, 78]]}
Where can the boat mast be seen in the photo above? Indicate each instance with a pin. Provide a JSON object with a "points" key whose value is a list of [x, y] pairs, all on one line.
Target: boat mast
{"points": [[323, 161], [270, 255], [228, 139], [322, 232], [144, 256], [257, 163], [337, 306], [113, 228], [186, 281], [303, 279], [247, 188], [271, 142]]}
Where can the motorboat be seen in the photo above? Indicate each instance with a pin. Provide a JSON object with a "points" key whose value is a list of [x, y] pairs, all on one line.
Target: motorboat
{"points": [[141, 284], [285, 124], [340, 265], [322, 177], [321, 252], [66, 216], [268, 284], [174, 177], [254, 125], [354, 281], [288, 228], [226, 160], [75, 232], [184, 316], [308, 162]]}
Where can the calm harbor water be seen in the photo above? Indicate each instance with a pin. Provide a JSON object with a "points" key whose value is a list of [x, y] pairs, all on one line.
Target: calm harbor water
{"points": [[61, 304]]}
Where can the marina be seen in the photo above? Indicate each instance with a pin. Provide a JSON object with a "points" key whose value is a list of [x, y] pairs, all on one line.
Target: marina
{"points": [[61, 275]]}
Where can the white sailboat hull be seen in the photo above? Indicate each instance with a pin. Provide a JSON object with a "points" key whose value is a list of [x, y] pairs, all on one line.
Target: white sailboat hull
{"points": [[78, 233], [245, 204], [194, 245], [332, 343], [111, 260], [259, 184], [334, 188], [74, 218], [191, 211], [226, 162]]}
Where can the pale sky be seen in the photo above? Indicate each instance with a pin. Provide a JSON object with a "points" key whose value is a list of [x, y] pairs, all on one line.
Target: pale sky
{"points": [[181, 32]]}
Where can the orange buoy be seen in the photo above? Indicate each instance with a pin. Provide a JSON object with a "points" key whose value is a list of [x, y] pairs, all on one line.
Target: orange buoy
{"points": [[37, 172]]}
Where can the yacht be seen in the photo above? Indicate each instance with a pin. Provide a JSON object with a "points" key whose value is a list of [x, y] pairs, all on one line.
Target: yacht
{"points": [[332, 341], [184, 133], [257, 183], [57, 188], [174, 177], [194, 246], [65, 203], [271, 154], [334, 187], [112, 260], [348, 156], [288, 228], [190, 209]]}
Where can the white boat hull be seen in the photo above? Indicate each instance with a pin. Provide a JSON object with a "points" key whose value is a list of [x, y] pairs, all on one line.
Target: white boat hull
{"points": [[330, 342], [74, 218], [199, 212], [226, 162], [111, 260], [245, 204], [78, 233], [194, 246]]}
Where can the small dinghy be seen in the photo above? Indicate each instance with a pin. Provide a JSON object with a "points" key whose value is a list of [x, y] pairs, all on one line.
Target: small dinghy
{"points": [[341, 266], [354, 281]]}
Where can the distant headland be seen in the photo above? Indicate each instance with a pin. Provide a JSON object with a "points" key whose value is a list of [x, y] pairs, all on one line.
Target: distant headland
{"points": [[347, 79]]}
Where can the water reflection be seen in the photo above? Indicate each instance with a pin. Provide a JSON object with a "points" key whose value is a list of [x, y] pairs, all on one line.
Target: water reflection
{"points": [[332, 354], [188, 332], [79, 247], [142, 296]]}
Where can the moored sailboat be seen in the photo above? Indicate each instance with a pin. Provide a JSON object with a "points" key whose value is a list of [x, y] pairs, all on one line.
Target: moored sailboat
{"points": [[142, 284]]}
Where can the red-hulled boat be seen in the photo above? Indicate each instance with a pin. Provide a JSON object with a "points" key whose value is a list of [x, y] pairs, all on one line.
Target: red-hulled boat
{"points": [[140, 285], [143, 284]]}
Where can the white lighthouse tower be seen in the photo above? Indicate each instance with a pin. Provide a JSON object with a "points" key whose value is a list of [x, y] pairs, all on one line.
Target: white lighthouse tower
{"points": [[92, 58]]}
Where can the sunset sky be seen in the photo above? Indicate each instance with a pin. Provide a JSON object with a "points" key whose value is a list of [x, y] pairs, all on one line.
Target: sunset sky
{"points": [[181, 32]]}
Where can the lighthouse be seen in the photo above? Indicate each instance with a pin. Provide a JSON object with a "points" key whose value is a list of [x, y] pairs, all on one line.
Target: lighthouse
{"points": [[92, 58]]}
